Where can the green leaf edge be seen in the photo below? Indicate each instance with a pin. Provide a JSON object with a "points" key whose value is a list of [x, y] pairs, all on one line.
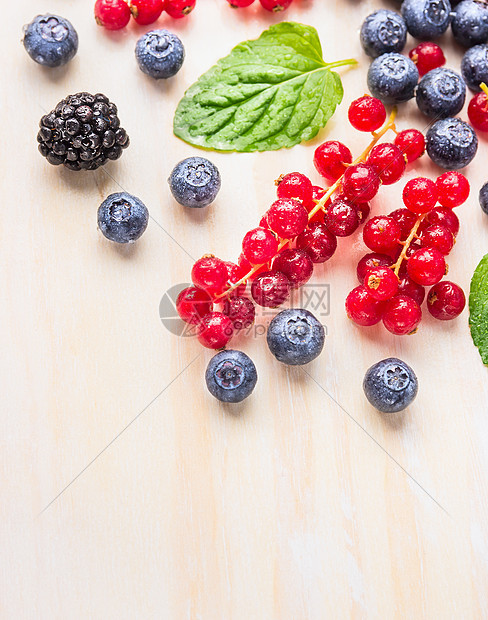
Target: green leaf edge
{"points": [[478, 308]]}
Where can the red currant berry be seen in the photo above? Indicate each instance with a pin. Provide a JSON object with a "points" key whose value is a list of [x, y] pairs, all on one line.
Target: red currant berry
{"points": [[363, 210], [367, 114], [112, 14], [240, 4], [402, 315], [439, 238], [381, 283], [263, 222], [331, 159], [215, 331], [478, 112], [287, 217], [406, 220], [411, 289], [210, 274], [360, 183], [426, 266], [389, 162], [442, 217], [427, 56], [452, 189], [341, 218], [259, 246], [177, 9], [420, 195], [270, 289], [411, 143], [362, 308], [296, 265], [317, 195], [318, 242], [446, 301], [234, 274], [192, 304], [275, 6], [146, 11], [241, 311], [297, 186], [371, 261], [381, 234], [246, 267]]}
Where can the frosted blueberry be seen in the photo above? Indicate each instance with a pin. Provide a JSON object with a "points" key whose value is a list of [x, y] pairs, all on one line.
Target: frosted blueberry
{"points": [[470, 23], [426, 19], [122, 217], [441, 93], [390, 385], [295, 337], [383, 31], [451, 143], [160, 54], [393, 78], [50, 40], [195, 182], [474, 67], [231, 376], [484, 198]]}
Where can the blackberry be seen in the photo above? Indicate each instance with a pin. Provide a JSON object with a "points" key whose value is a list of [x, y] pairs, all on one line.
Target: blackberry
{"points": [[82, 132]]}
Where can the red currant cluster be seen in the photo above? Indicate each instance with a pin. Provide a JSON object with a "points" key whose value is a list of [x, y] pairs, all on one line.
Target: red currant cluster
{"points": [[116, 14], [408, 250], [274, 6]]}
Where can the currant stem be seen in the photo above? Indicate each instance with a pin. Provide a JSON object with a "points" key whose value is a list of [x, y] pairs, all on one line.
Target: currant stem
{"points": [[407, 243], [484, 88]]}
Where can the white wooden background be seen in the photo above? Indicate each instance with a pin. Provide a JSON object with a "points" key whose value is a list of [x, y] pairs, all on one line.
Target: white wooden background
{"points": [[301, 503]]}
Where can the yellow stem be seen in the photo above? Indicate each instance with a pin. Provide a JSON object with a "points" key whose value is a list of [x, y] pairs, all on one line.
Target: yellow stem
{"points": [[484, 88], [406, 244]]}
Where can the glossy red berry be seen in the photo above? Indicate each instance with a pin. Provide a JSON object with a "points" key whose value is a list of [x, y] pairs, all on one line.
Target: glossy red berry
{"points": [[381, 283], [246, 267], [177, 9], [318, 242], [234, 274], [367, 113], [240, 310], [362, 308], [287, 217], [402, 315], [411, 289], [443, 217], [210, 274], [420, 195], [371, 261], [317, 195], [297, 186], [411, 142], [437, 237], [363, 209], [270, 289], [427, 56], [406, 220], [331, 159], [341, 218], [388, 161], [426, 266], [478, 111], [452, 189], [146, 11], [296, 265], [112, 14], [360, 183], [381, 234], [240, 4], [192, 304], [259, 246], [446, 300], [275, 6], [215, 330]]}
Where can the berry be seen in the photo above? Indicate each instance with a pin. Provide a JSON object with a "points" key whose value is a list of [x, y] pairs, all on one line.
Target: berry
{"points": [[122, 217], [439, 238], [411, 142], [195, 182], [270, 289], [410, 288], [402, 315], [287, 217], [406, 220], [112, 14], [210, 274], [426, 19], [318, 242], [371, 261], [363, 209], [442, 217], [275, 6], [240, 4], [146, 11], [478, 112], [231, 376], [390, 385], [483, 198], [363, 308], [234, 274], [331, 159], [381, 234], [474, 67], [360, 183], [192, 304], [215, 330], [83, 132], [297, 186], [393, 78], [245, 267], [470, 23], [367, 114], [420, 195], [259, 246], [381, 283], [427, 56], [50, 40], [441, 93], [388, 161], [383, 31], [295, 337], [177, 9], [296, 265], [426, 266], [341, 218], [241, 311], [451, 143], [452, 189], [160, 54], [446, 301], [317, 195]]}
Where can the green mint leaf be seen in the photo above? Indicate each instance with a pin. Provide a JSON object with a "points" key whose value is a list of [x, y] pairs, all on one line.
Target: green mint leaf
{"points": [[478, 308], [267, 94]]}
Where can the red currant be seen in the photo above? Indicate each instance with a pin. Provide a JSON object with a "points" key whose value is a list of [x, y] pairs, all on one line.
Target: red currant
{"points": [[426, 266], [371, 261], [234, 274], [318, 242], [381, 234], [275, 6], [297, 186], [362, 308], [287, 217], [112, 14], [210, 274], [420, 195], [446, 301], [402, 315], [442, 217], [427, 56], [246, 267], [389, 162], [259, 246], [240, 4], [437, 237], [146, 11], [331, 159], [178, 9], [360, 183], [381, 283], [341, 218], [452, 189], [192, 304], [317, 195], [270, 289], [363, 210], [411, 289], [478, 111], [367, 113], [411, 142], [241, 311], [296, 265], [406, 220], [215, 331]]}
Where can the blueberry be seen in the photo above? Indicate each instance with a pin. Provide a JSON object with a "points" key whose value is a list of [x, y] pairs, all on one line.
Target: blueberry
{"points": [[231, 376], [383, 31], [393, 78], [195, 182], [50, 40], [470, 23], [426, 19], [474, 67], [441, 93], [295, 337], [122, 217], [484, 198], [390, 385], [451, 143], [160, 54]]}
